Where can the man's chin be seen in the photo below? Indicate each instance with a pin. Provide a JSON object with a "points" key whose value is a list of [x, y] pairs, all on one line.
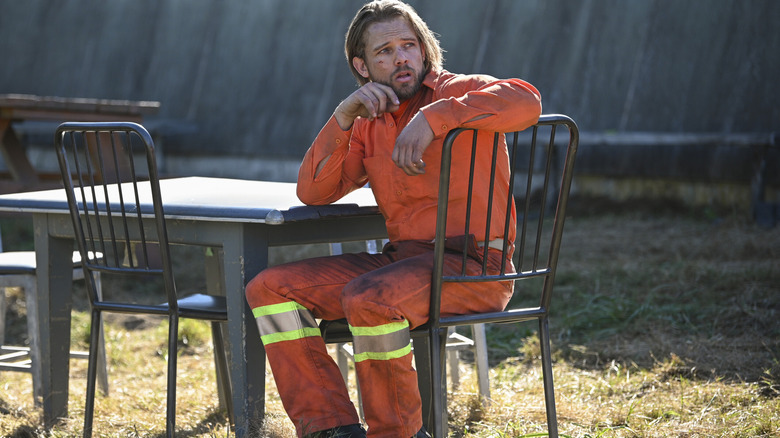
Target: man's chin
{"points": [[406, 91]]}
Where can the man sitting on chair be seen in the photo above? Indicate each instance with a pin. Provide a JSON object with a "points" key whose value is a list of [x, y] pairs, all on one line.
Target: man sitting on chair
{"points": [[388, 133]]}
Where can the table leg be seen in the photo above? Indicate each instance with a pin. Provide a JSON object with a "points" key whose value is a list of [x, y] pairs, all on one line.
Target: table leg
{"points": [[52, 309], [246, 253], [215, 279]]}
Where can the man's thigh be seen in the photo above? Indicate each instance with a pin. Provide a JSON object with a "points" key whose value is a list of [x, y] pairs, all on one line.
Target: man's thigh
{"points": [[401, 290], [317, 283]]}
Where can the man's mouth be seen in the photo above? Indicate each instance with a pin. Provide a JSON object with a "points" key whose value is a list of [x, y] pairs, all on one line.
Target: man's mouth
{"points": [[404, 76]]}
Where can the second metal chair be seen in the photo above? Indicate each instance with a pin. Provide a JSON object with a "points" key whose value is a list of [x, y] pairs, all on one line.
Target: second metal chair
{"points": [[109, 218]]}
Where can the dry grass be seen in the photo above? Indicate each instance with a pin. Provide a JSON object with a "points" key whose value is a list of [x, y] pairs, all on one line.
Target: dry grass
{"points": [[664, 324]]}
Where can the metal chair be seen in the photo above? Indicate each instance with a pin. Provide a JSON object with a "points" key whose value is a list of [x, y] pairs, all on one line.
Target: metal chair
{"points": [[18, 269], [90, 155], [542, 196]]}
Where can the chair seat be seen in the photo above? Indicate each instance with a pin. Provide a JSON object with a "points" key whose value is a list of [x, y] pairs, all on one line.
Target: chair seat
{"points": [[335, 331], [203, 306]]}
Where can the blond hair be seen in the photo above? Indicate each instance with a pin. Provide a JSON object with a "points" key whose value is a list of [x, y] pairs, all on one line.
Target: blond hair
{"points": [[386, 10]]}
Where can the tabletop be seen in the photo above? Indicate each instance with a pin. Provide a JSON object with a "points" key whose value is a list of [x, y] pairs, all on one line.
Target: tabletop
{"points": [[213, 199], [32, 107]]}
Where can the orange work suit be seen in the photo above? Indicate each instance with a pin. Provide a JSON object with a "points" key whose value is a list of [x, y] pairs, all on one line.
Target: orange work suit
{"points": [[385, 295]]}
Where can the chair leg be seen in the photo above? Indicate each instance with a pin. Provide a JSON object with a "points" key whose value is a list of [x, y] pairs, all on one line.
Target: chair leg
{"points": [[344, 354], [214, 286], [443, 420], [430, 361], [173, 338], [2, 315], [422, 363], [89, 405], [102, 370], [453, 363], [361, 412], [549, 393], [223, 371], [342, 359], [481, 360]]}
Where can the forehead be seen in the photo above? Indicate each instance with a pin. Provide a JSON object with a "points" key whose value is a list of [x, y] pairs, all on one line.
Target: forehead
{"points": [[383, 32]]}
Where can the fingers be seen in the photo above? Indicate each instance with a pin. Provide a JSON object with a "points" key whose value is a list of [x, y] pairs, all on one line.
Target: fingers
{"points": [[377, 99], [411, 144], [409, 158], [369, 101], [416, 168]]}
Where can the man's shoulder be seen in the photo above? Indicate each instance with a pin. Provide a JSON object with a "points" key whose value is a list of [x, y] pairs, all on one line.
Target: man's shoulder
{"points": [[445, 81]]}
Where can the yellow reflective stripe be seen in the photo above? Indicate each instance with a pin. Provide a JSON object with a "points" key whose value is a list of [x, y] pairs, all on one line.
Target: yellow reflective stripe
{"points": [[383, 355], [273, 309], [291, 335], [383, 329]]}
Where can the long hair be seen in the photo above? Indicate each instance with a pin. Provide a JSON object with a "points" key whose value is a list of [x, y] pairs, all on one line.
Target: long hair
{"points": [[386, 10]]}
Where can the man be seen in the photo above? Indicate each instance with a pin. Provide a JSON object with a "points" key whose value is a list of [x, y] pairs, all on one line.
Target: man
{"points": [[389, 133]]}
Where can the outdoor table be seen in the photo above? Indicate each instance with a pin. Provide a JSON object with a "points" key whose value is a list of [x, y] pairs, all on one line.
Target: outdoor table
{"points": [[242, 217], [24, 107]]}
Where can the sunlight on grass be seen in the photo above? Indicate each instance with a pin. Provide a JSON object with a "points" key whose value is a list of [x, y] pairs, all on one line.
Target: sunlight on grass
{"points": [[660, 327]]}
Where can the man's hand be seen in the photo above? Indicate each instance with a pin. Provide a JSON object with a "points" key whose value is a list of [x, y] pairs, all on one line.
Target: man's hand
{"points": [[369, 101], [411, 144]]}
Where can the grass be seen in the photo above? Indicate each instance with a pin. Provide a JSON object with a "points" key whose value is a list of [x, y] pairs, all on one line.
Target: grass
{"points": [[664, 323]]}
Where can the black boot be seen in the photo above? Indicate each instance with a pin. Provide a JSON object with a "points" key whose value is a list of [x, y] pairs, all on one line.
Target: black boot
{"points": [[351, 431], [422, 433]]}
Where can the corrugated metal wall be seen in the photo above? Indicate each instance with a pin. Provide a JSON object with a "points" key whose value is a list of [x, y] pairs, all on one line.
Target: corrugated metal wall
{"points": [[258, 78]]}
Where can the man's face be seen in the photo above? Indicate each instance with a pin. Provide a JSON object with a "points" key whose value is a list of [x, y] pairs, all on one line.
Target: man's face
{"points": [[393, 57]]}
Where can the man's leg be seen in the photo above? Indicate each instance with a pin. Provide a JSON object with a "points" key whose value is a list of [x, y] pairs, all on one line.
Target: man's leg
{"points": [[286, 299], [381, 306]]}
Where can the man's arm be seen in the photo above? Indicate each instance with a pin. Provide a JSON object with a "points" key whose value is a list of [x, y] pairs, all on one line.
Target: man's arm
{"points": [[497, 105], [327, 173]]}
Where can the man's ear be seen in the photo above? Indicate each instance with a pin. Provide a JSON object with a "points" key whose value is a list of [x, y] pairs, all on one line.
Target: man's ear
{"points": [[360, 66]]}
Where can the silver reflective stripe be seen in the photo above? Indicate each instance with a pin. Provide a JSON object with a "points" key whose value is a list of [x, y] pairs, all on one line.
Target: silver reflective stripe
{"points": [[388, 341], [285, 321]]}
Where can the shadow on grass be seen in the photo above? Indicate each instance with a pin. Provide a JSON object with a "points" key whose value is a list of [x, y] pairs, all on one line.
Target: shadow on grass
{"points": [[693, 293]]}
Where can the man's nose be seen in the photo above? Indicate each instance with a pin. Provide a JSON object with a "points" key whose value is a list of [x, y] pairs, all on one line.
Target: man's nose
{"points": [[401, 57]]}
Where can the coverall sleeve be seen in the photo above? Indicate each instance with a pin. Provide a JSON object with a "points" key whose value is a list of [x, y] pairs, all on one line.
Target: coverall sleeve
{"points": [[341, 157], [483, 102]]}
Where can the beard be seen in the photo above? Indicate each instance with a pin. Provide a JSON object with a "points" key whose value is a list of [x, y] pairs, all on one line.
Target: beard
{"points": [[406, 90]]}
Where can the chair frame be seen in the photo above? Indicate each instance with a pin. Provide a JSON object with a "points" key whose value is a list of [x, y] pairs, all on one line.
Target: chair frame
{"points": [[430, 339], [101, 165], [438, 324], [27, 359]]}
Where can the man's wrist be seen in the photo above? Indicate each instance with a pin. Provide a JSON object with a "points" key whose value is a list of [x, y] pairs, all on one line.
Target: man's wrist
{"points": [[345, 122]]}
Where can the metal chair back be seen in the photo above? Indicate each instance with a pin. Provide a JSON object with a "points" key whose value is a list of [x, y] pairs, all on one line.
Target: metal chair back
{"points": [[545, 169], [108, 169], [95, 156]]}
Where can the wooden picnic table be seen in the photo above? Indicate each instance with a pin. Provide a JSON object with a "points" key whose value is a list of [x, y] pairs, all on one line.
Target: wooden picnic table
{"points": [[15, 108]]}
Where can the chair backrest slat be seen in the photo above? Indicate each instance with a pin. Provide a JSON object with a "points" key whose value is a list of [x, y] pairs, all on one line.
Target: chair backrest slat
{"points": [[469, 199], [510, 198]]}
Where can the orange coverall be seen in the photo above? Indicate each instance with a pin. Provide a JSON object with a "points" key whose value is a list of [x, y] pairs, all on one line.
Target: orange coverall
{"points": [[385, 295]]}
